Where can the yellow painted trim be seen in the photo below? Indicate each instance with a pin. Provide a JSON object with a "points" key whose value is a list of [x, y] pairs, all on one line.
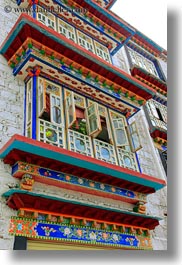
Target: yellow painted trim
{"points": [[41, 245]]}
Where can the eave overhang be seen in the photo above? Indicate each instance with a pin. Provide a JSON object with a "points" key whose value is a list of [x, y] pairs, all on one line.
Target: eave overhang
{"points": [[110, 18], [106, 16], [20, 148], [157, 83], [17, 199], [118, 23], [156, 133], [27, 27]]}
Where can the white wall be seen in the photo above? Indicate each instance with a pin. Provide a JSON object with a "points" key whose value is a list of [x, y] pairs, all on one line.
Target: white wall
{"points": [[120, 60], [150, 164], [11, 121]]}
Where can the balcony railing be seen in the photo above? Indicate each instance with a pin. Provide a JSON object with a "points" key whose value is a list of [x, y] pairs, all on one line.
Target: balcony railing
{"points": [[127, 159], [158, 123], [51, 134], [104, 151], [83, 144], [79, 143]]}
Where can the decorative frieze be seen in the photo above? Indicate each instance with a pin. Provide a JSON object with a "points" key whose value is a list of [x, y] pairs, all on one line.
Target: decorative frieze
{"points": [[59, 232], [22, 169]]}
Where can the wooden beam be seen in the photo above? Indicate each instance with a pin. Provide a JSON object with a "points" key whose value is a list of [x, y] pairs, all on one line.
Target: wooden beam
{"points": [[18, 202]]}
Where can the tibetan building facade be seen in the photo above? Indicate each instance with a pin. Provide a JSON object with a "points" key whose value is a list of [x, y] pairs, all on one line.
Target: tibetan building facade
{"points": [[83, 129]]}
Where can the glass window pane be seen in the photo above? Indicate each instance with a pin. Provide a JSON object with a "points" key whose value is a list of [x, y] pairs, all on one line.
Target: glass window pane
{"points": [[121, 137], [56, 114], [93, 123]]}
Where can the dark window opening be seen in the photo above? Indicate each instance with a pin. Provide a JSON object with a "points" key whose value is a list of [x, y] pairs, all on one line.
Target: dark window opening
{"points": [[103, 135], [163, 156], [46, 114], [80, 123], [159, 114]]}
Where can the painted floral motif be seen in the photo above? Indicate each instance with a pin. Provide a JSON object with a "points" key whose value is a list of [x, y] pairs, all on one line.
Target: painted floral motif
{"points": [[67, 177], [102, 186], [92, 236], [48, 230], [115, 237], [105, 236], [79, 232], [59, 176], [67, 231], [91, 184], [51, 231], [130, 240], [80, 181], [113, 189], [28, 167]]}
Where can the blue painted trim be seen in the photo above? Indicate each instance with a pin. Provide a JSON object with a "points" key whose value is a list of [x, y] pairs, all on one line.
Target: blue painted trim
{"points": [[149, 41], [114, 19], [34, 10], [133, 113], [25, 106], [86, 21], [62, 232], [60, 177], [144, 53], [18, 2], [19, 66], [122, 44], [34, 108], [62, 42], [68, 72], [74, 160]]}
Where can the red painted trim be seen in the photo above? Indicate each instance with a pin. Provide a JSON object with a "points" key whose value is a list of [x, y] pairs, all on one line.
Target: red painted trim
{"points": [[85, 211], [149, 78], [80, 156], [160, 134], [33, 32], [77, 188], [106, 19]]}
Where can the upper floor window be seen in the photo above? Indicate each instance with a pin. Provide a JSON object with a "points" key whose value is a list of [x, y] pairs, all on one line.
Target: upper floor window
{"points": [[142, 62], [158, 110], [79, 124], [157, 113], [98, 122], [102, 51], [85, 41], [47, 19], [67, 30], [49, 101], [75, 112]]}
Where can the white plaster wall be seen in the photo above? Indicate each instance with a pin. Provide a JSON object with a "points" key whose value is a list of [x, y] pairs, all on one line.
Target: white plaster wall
{"points": [[6, 182], [120, 60], [11, 121], [163, 66], [148, 158], [81, 197], [151, 164], [157, 204]]}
